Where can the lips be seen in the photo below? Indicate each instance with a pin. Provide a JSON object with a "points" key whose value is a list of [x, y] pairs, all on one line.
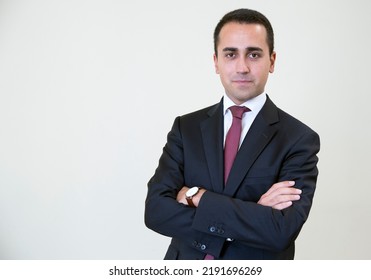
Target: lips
{"points": [[239, 79], [242, 81]]}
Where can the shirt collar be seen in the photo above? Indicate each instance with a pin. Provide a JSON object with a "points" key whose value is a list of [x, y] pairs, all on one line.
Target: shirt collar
{"points": [[254, 104]]}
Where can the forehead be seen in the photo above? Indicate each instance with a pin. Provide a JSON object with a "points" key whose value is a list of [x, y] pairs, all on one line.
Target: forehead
{"points": [[243, 35]]}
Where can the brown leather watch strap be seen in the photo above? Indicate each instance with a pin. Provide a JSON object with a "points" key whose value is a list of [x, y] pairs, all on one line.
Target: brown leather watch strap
{"points": [[190, 202]]}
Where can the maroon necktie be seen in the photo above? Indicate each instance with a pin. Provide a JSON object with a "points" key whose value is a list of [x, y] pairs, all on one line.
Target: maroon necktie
{"points": [[232, 143]]}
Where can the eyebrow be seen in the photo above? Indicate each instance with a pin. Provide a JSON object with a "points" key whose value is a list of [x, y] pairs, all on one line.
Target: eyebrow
{"points": [[249, 49]]}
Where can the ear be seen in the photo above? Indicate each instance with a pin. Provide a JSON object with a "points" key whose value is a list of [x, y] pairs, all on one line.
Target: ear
{"points": [[216, 64], [273, 60]]}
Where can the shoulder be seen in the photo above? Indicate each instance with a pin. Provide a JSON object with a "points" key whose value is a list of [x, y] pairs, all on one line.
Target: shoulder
{"points": [[293, 123], [297, 132], [289, 128], [201, 114], [190, 122], [272, 113]]}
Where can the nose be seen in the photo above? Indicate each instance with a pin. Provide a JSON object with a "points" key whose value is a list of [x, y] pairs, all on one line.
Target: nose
{"points": [[242, 66]]}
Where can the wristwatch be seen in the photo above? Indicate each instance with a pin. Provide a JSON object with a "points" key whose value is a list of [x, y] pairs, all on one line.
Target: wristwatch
{"points": [[190, 194]]}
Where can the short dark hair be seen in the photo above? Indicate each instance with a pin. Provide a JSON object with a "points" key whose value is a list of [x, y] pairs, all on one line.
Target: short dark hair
{"points": [[245, 16]]}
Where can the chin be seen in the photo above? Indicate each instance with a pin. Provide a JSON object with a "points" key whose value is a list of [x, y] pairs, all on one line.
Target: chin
{"points": [[243, 98]]}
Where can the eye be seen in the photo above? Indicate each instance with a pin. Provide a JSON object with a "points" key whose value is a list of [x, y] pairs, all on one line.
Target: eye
{"points": [[254, 55], [230, 55]]}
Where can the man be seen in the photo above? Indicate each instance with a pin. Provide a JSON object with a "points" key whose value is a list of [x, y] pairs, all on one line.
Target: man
{"points": [[252, 206]]}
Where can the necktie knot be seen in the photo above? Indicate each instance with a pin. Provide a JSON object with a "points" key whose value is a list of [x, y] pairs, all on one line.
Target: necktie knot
{"points": [[238, 111]]}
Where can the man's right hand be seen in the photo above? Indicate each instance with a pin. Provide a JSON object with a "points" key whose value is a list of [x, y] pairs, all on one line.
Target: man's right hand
{"points": [[280, 195]]}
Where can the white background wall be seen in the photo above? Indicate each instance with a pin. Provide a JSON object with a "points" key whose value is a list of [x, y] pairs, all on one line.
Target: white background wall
{"points": [[89, 90]]}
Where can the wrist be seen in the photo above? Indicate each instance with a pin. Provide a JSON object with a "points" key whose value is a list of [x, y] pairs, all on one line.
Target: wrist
{"points": [[193, 196], [198, 196]]}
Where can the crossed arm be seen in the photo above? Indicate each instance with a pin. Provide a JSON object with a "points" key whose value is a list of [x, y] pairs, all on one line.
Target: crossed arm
{"points": [[279, 196], [270, 221]]}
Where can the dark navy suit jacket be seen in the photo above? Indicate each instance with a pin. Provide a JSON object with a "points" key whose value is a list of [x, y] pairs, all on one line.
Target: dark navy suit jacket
{"points": [[228, 223]]}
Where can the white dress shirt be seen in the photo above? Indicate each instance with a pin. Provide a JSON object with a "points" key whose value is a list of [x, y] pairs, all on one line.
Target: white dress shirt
{"points": [[255, 104]]}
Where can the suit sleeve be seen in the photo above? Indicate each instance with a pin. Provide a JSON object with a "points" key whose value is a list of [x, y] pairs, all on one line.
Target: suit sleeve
{"points": [[163, 213], [260, 226]]}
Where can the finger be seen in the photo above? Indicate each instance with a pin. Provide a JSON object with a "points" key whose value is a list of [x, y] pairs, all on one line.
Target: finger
{"points": [[272, 201], [276, 194], [282, 206], [283, 184], [275, 200], [291, 197], [286, 191], [287, 198]]}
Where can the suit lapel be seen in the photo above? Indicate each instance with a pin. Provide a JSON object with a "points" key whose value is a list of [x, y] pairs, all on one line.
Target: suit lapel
{"points": [[259, 135], [212, 136]]}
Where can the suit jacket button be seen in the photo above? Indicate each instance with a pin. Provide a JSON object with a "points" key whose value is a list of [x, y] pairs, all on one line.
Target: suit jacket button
{"points": [[203, 247], [212, 229], [221, 231]]}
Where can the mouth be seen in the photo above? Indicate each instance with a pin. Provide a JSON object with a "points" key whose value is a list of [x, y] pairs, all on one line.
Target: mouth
{"points": [[242, 81]]}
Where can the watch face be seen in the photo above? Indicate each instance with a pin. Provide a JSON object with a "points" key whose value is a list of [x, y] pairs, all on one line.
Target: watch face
{"points": [[192, 191]]}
